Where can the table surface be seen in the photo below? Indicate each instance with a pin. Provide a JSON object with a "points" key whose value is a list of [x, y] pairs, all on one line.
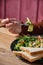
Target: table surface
{"points": [[6, 55]]}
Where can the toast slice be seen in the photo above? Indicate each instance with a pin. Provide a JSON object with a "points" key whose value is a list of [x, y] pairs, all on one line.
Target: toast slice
{"points": [[27, 56], [32, 51], [18, 53]]}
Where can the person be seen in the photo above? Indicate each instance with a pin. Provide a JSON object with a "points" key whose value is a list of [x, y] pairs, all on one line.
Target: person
{"points": [[14, 27]]}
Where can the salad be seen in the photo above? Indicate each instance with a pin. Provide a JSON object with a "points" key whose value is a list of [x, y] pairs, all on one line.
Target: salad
{"points": [[29, 41]]}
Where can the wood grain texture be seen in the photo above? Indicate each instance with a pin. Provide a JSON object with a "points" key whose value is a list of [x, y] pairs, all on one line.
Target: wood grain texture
{"points": [[6, 55], [6, 38]]}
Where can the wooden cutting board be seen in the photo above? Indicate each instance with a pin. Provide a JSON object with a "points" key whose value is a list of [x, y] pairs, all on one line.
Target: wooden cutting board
{"points": [[6, 55]]}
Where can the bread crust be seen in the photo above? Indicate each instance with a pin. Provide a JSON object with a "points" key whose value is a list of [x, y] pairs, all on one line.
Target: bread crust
{"points": [[27, 56], [27, 49]]}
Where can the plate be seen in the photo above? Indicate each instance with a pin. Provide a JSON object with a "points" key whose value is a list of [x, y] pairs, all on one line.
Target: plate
{"points": [[12, 49], [15, 41], [13, 44]]}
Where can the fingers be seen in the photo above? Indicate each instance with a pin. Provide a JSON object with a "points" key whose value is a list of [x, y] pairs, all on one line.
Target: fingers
{"points": [[4, 21], [8, 20], [12, 24], [9, 25]]}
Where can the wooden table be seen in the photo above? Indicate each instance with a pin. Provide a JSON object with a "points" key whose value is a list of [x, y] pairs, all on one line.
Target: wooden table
{"points": [[6, 55]]}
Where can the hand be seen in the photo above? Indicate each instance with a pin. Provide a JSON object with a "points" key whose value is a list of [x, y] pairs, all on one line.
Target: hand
{"points": [[12, 26]]}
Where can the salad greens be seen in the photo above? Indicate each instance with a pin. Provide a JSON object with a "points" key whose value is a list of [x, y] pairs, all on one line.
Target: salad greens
{"points": [[27, 41]]}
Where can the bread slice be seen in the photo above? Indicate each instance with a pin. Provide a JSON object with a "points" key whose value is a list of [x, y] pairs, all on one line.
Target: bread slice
{"points": [[27, 56], [32, 51], [17, 53]]}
